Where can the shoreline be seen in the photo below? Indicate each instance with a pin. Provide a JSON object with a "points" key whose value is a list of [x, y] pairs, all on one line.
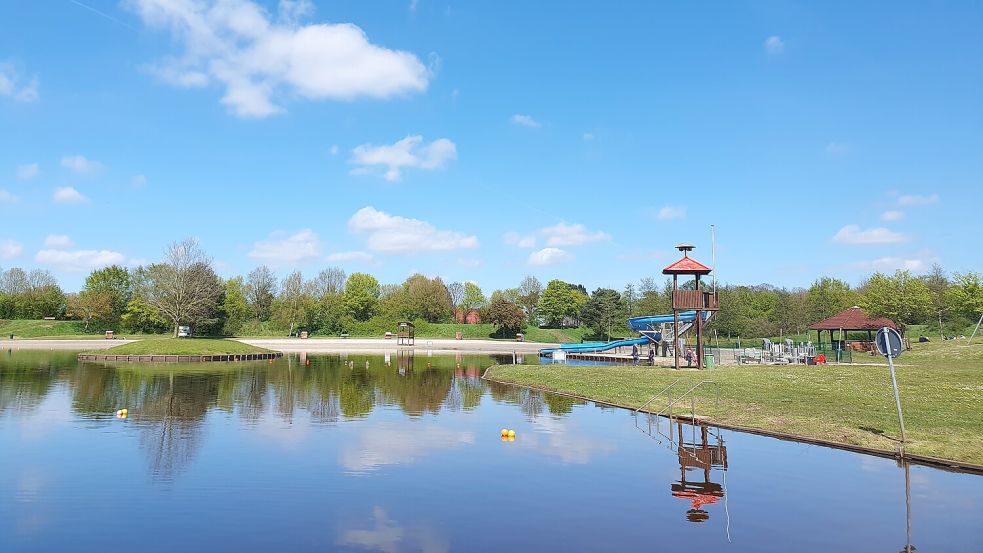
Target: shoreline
{"points": [[926, 460], [309, 345]]}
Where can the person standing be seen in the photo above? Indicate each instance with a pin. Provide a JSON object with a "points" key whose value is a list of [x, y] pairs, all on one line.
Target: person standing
{"points": [[651, 356], [634, 353]]}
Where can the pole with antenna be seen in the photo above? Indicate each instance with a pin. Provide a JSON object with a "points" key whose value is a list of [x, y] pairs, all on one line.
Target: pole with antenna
{"points": [[713, 255]]}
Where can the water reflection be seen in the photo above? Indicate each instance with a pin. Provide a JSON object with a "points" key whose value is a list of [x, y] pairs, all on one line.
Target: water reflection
{"points": [[388, 536], [323, 452]]}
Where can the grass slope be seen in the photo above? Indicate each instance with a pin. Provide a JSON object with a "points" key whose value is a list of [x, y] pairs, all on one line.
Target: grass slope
{"points": [[941, 393], [182, 346]]}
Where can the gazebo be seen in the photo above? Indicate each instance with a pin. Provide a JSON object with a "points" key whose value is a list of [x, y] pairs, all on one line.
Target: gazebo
{"points": [[853, 319], [406, 335]]}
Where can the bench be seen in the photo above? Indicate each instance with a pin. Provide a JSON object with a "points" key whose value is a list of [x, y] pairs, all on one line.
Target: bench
{"points": [[344, 335]]}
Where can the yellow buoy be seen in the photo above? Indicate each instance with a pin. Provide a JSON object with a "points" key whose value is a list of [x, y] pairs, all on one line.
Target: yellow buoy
{"points": [[511, 433], [125, 411], [505, 432], [511, 438]]}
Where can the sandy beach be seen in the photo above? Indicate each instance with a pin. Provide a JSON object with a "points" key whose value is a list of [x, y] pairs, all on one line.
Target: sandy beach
{"points": [[312, 345]]}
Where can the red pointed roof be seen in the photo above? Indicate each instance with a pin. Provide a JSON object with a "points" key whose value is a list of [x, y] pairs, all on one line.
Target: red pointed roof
{"points": [[686, 266], [852, 319]]}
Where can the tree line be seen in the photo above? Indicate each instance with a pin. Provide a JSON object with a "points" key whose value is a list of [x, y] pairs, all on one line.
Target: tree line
{"points": [[184, 289]]}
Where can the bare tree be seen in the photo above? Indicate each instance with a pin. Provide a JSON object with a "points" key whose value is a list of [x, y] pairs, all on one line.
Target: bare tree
{"points": [[328, 281], [183, 287], [261, 290], [456, 290]]}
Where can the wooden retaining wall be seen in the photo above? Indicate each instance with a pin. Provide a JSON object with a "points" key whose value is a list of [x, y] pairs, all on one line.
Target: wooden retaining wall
{"points": [[179, 358]]}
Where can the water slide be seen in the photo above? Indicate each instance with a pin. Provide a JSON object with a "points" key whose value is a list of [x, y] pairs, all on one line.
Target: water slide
{"points": [[649, 327]]}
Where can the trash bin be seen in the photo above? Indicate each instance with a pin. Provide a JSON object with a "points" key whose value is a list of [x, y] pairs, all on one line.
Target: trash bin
{"points": [[709, 360], [458, 335], [519, 337], [303, 334]]}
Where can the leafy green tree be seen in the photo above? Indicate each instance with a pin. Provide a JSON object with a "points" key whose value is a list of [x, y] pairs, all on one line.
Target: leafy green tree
{"points": [[427, 299], [559, 301], [473, 297], [902, 298], [235, 306], [603, 310], [828, 296], [142, 317], [965, 296], [507, 317], [89, 306], [361, 296], [115, 282], [653, 300]]}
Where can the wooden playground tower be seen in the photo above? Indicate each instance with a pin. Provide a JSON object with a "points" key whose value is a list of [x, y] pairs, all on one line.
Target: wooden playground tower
{"points": [[698, 299]]}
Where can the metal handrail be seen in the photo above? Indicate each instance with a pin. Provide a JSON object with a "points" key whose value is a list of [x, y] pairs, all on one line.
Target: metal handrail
{"points": [[664, 390], [687, 392]]}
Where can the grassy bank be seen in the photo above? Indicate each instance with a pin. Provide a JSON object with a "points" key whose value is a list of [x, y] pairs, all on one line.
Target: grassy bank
{"points": [[53, 330], [182, 346], [425, 330], [941, 392]]}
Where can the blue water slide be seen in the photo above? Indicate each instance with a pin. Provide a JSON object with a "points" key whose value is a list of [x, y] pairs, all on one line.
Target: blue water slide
{"points": [[648, 326]]}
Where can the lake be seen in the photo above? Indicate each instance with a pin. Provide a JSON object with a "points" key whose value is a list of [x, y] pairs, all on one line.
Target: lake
{"points": [[403, 453]]}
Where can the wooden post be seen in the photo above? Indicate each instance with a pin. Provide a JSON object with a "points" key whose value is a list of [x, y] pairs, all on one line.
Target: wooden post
{"points": [[675, 322], [699, 328]]}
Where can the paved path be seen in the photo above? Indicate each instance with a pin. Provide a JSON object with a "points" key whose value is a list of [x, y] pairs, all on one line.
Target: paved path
{"points": [[312, 345], [378, 345]]}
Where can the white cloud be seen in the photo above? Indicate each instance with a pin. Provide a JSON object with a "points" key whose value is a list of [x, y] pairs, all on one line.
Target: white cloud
{"points": [[258, 59], [334, 150], [282, 248], [81, 165], [837, 149], [356, 256], [394, 234], [524, 121], [774, 45], [564, 234], [469, 262], [408, 152], [913, 200], [518, 240], [669, 213], [915, 263], [8, 198], [10, 248], [15, 87], [549, 256], [28, 171], [79, 260], [139, 181], [853, 234], [892, 215], [58, 241], [68, 195]]}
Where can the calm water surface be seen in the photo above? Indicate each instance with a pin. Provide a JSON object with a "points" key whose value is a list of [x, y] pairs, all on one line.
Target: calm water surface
{"points": [[367, 453]]}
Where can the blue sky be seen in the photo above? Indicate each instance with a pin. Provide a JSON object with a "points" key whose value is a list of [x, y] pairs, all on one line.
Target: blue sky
{"points": [[486, 141]]}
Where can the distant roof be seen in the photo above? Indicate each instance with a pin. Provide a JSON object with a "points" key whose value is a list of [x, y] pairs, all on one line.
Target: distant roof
{"points": [[686, 266], [852, 319]]}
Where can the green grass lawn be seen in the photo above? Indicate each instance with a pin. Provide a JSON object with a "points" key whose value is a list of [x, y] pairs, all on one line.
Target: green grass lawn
{"points": [[182, 346], [941, 393], [52, 330]]}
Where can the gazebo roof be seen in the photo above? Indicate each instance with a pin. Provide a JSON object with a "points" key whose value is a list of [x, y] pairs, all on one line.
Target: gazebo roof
{"points": [[686, 266], [852, 319]]}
